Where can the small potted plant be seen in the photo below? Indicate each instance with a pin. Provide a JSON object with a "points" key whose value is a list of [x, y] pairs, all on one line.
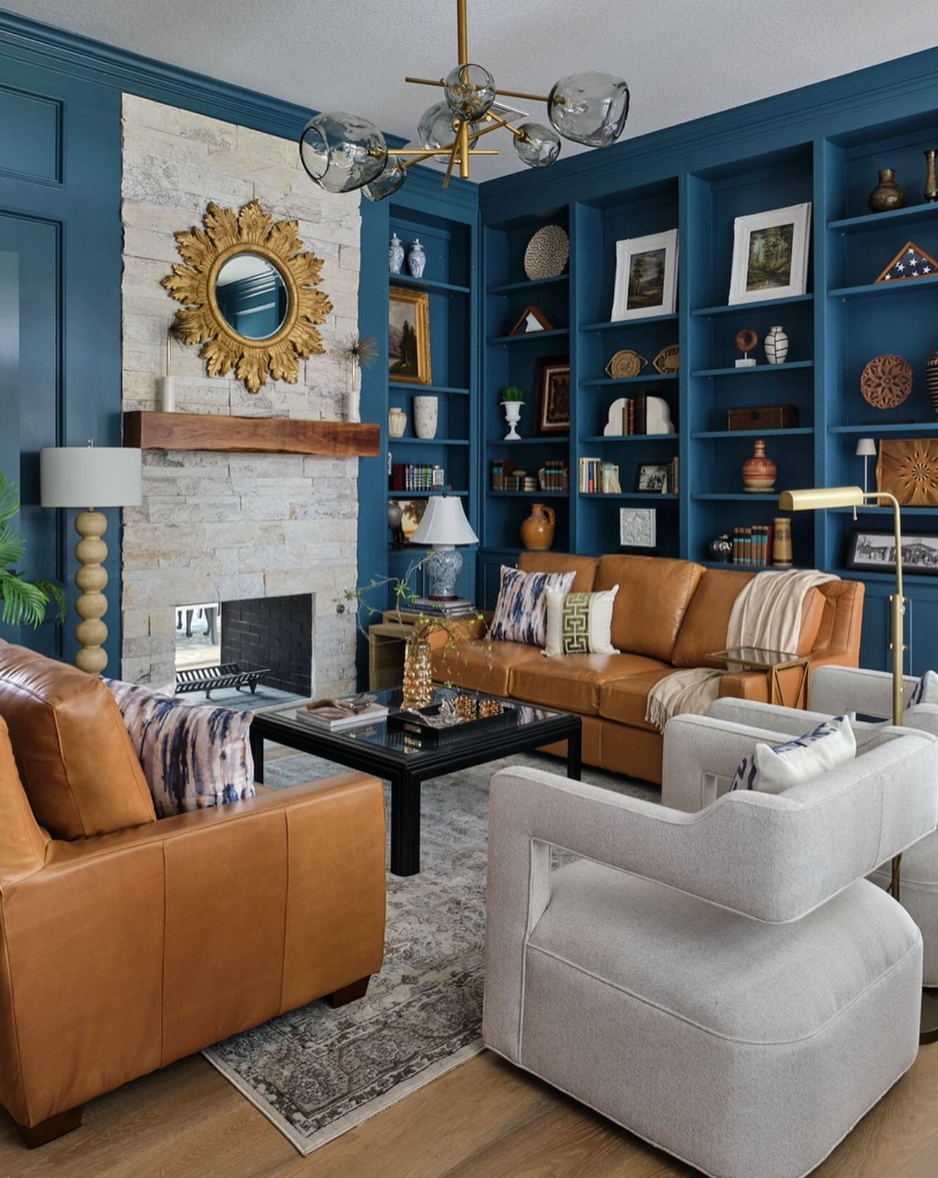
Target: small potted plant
{"points": [[512, 398]]}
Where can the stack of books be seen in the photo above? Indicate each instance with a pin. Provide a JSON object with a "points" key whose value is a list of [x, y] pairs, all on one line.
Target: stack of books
{"points": [[553, 475], [502, 474], [634, 415], [674, 475], [334, 719], [753, 546], [598, 477], [451, 607], [414, 477]]}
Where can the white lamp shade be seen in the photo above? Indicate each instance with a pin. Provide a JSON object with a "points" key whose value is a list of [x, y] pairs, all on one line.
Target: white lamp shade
{"points": [[866, 448], [444, 522], [91, 476]]}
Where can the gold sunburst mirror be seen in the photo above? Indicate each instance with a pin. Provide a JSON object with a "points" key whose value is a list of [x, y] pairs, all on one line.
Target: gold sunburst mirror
{"points": [[250, 295]]}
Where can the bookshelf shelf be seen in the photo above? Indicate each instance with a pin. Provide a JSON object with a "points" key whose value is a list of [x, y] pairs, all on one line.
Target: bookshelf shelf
{"points": [[597, 439], [918, 427], [653, 496], [729, 434], [629, 380], [868, 290], [760, 369], [427, 284], [895, 217], [528, 337], [751, 308], [618, 324], [527, 284]]}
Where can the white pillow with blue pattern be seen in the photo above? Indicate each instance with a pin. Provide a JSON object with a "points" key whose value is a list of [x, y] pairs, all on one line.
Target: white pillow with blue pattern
{"points": [[924, 692], [193, 755], [774, 768]]}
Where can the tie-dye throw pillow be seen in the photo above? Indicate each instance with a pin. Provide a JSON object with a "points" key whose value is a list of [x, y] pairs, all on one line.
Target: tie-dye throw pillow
{"points": [[521, 609], [773, 769], [193, 755], [924, 692]]}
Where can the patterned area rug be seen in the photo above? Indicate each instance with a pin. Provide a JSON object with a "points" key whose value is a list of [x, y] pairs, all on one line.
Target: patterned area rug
{"points": [[317, 1072]]}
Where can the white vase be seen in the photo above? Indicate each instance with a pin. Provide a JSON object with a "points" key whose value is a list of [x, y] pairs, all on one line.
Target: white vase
{"points": [[397, 422], [776, 345], [512, 416], [395, 254], [426, 414], [416, 259]]}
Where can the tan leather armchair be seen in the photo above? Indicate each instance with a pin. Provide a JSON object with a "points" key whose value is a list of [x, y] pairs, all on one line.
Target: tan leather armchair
{"points": [[125, 951]]}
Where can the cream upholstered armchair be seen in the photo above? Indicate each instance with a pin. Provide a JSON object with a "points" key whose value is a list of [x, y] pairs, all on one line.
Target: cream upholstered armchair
{"points": [[724, 984], [835, 690]]}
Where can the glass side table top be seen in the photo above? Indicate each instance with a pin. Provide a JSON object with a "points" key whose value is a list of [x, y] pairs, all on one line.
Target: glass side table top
{"points": [[755, 656]]}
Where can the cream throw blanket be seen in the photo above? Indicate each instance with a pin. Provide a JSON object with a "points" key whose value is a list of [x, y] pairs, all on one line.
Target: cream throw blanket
{"points": [[766, 614]]}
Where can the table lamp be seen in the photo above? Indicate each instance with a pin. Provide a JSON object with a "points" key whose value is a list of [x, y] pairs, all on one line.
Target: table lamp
{"points": [[444, 525], [822, 498], [866, 449], [88, 477]]}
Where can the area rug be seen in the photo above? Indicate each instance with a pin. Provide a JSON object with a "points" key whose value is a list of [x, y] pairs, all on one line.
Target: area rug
{"points": [[317, 1072]]}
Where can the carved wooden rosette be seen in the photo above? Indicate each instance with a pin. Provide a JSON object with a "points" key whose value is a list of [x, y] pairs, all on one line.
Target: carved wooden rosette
{"points": [[200, 321]]}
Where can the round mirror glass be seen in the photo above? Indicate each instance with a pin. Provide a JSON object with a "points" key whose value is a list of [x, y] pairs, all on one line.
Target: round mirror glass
{"points": [[252, 296]]}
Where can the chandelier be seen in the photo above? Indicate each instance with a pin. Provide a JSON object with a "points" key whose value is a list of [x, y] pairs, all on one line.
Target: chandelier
{"points": [[342, 152]]}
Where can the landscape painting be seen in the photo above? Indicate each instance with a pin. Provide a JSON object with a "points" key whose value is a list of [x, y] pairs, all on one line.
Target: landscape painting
{"points": [[646, 279], [770, 254], [409, 336]]}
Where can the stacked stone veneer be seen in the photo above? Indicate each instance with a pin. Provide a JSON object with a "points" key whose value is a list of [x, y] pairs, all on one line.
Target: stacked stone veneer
{"points": [[225, 527]]}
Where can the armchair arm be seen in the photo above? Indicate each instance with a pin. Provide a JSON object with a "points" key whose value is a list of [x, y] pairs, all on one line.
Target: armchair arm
{"points": [[854, 689], [129, 950]]}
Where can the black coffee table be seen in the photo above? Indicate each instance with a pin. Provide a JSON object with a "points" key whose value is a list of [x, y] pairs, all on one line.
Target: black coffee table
{"points": [[406, 761]]}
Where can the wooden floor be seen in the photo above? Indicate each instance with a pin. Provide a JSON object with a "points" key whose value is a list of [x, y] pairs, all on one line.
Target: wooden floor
{"points": [[483, 1120]]}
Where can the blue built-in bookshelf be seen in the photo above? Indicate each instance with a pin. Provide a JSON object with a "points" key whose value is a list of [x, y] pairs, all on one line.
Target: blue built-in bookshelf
{"points": [[825, 145]]}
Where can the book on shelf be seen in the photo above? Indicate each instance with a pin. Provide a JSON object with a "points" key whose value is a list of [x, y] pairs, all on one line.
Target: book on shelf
{"points": [[503, 474], [635, 415], [417, 477], [598, 477], [674, 475], [752, 546], [554, 476], [335, 719]]}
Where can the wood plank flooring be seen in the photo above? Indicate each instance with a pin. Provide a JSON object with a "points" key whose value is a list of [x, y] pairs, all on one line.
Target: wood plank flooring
{"points": [[483, 1120]]}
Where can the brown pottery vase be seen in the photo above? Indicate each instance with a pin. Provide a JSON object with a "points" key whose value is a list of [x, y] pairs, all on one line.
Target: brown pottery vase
{"points": [[758, 471], [537, 531], [887, 194]]}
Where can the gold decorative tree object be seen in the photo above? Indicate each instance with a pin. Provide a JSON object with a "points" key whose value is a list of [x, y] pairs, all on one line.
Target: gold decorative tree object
{"points": [[89, 476]]}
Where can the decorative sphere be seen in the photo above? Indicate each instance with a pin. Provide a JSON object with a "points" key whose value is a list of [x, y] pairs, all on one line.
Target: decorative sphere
{"points": [[385, 185], [470, 91], [539, 147], [589, 108], [342, 152]]}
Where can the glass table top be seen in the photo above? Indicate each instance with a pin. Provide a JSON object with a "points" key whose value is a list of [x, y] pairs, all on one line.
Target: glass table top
{"points": [[378, 734], [754, 656]]}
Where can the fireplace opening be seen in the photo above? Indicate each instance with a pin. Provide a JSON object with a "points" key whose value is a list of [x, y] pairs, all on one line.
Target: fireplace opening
{"points": [[249, 654]]}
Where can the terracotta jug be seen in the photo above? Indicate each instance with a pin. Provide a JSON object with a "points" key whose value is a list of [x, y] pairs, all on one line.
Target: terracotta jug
{"points": [[758, 471], [537, 531]]}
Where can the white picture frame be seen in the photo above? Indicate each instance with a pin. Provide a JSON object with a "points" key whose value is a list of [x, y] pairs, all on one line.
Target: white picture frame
{"points": [[637, 527], [646, 276], [787, 233]]}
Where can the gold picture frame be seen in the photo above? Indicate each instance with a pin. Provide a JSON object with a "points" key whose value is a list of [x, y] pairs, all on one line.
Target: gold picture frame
{"points": [[409, 360], [205, 251]]}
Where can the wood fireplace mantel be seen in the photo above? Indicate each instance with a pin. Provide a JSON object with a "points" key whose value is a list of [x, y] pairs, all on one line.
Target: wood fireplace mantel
{"points": [[147, 430]]}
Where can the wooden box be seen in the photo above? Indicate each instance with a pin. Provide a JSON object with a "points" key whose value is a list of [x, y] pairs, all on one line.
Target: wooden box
{"points": [[763, 417]]}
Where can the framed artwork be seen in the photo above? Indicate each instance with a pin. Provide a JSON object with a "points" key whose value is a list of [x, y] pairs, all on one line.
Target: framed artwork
{"points": [[637, 527], [553, 395], [876, 552], [646, 276], [411, 514], [653, 477], [770, 254], [531, 319], [409, 336], [908, 469]]}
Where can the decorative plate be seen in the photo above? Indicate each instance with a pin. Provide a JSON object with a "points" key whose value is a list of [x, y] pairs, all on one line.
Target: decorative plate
{"points": [[625, 364], [908, 469], [547, 253], [886, 381], [668, 360]]}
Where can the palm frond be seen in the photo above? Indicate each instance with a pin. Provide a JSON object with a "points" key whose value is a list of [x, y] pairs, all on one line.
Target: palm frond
{"points": [[23, 602], [9, 499], [12, 546], [52, 593]]}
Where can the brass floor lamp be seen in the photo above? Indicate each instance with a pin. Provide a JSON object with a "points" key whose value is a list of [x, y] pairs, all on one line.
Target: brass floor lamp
{"points": [[820, 499]]}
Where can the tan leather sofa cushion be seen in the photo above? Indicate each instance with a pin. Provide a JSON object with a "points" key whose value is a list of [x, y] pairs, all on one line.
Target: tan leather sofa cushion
{"points": [[73, 752], [624, 700], [480, 665], [572, 682], [22, 843], [708, 615], [562, 562], [653, 596]]}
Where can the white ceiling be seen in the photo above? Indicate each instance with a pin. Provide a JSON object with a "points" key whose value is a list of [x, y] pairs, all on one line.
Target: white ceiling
{"points": [[681, 58]]}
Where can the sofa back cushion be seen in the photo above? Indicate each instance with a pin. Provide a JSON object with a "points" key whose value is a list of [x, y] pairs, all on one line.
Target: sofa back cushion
{"points": [[74, 755], [22, 843], [653, 596], [562, 562], [708, 615]]}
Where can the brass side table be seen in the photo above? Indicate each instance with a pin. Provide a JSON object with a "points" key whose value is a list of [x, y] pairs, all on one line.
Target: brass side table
{"points": [[754, 658], [386, 643]]}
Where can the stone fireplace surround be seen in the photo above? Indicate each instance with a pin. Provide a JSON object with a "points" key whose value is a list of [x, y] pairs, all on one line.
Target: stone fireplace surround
{"points": [[219, 526]]}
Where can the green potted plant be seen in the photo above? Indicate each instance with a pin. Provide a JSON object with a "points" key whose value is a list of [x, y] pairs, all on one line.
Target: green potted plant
{"points": [[512, 398], [25, 600]]}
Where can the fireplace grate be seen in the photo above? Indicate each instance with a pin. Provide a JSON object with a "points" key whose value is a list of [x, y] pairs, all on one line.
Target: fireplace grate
{"points": [[225, 675]]}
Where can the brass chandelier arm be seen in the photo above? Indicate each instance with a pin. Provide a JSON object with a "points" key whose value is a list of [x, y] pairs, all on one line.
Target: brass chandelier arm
{"points": [[452, 160], [503, 123], [423, 153], [504, 93]]}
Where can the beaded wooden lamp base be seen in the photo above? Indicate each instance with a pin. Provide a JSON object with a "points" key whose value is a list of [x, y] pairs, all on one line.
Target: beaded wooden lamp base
{"points": [[91, 579]]}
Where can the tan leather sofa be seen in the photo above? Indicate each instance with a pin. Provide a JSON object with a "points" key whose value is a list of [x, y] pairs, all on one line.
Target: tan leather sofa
{"points": [[123, 951], [668, 615]]}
